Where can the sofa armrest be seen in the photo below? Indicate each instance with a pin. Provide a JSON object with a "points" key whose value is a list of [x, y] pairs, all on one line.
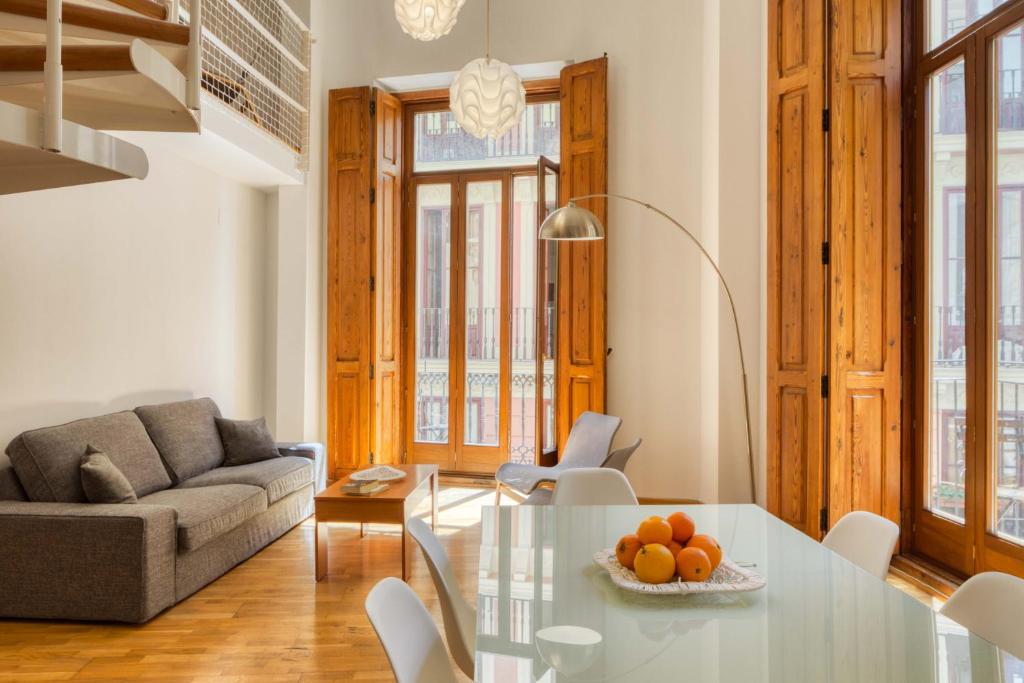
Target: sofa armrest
{"points": [[82, 561], [313, 451]]}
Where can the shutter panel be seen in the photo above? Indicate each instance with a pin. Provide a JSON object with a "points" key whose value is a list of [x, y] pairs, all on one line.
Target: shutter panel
{"points": [[349, 256], [796, 276], [387, 278], [580, 357], [864, 404]]}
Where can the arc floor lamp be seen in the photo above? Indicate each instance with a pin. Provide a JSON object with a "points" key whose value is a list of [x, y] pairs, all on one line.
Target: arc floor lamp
{"points": [[572, 222]]}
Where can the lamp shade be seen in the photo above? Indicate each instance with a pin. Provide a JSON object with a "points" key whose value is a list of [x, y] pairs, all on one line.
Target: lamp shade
{"points": [[487, 98], [427, 19], [571, 222]]}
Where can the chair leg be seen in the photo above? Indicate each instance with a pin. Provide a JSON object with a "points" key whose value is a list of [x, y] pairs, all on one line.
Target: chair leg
{"points": [[497, 493]]}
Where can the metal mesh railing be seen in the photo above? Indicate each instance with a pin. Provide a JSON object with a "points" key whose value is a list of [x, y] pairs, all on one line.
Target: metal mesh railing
{"points": [[256, 62]]}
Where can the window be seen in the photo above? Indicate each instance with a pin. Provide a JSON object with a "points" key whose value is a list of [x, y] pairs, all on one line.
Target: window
{"points": [[969, 469], [484, 377], [537, 135], [947, 18]]}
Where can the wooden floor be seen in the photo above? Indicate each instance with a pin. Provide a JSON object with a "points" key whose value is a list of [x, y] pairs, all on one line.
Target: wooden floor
{"points": [[266, 620]]}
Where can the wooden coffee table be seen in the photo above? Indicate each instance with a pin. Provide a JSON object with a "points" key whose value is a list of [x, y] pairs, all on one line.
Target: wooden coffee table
{"points": [[393, 506]]}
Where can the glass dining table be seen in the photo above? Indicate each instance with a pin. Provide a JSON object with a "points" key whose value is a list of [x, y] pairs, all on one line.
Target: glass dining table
{"points": [[546, 612]]}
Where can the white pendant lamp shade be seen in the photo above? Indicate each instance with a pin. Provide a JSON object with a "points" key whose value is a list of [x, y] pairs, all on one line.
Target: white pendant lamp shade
{"points": [[427, 19], [487, 98]]}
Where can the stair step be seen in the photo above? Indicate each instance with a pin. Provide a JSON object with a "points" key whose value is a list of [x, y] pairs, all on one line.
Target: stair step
{"points": [[107, 87], [147, 8], [88, 155], [93, 22], [72, 57]]}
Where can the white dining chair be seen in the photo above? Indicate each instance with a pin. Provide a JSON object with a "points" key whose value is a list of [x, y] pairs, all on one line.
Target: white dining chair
{"points": [[865, 539], [593, 486], [991, 605], [408, 634], [459, 616]]}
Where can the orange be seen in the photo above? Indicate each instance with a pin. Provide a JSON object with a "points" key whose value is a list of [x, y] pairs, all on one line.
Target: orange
{"points": [[709, 545], [626, 550], [654, 530], [674, 548], [682, 526], [693, 564], [655, 564]]}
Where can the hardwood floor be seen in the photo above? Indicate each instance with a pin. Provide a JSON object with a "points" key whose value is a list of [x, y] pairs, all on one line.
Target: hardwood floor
{"points": [[267, 620]]}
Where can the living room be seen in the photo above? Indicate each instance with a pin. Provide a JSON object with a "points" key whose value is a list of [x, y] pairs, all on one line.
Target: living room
{"points": [[285, 279]]}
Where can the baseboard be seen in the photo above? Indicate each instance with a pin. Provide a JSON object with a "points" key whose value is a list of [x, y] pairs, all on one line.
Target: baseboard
{"points": [[924, 574]]}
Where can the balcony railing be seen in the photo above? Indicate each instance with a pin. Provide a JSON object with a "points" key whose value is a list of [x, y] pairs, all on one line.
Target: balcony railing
{"points": [[949, 322], [483, 332], [439, 139], [953, 109]]}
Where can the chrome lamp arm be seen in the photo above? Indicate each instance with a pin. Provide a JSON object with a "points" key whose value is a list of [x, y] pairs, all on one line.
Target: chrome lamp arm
{"points": [[728, 294]]}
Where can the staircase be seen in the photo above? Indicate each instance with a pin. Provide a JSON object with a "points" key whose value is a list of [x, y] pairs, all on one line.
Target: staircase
{"points": [[69, 70]]}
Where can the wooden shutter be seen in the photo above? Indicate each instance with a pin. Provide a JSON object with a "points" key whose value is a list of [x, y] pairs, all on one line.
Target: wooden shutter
{"points": [[580, 357], [363, 278], [349, 256], [796, 275], [387, 277], [865, 201]]}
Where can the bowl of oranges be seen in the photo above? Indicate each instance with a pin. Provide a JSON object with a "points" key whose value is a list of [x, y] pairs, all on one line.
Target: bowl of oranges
{"points": [[667, 555]]}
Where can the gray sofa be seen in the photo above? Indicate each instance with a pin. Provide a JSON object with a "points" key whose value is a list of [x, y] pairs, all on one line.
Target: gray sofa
{"points": [[64, 558]]}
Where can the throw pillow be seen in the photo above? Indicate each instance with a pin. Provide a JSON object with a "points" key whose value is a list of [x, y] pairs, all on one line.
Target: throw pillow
{"points": [[246, 441], [102, 481]]}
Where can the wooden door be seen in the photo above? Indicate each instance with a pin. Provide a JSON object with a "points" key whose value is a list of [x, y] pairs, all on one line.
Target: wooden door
{"points": [[865, 252], [363, 278], [796, 274], [349, 259], [582, 272], [386, 285], [834, 260], [548, 173]]}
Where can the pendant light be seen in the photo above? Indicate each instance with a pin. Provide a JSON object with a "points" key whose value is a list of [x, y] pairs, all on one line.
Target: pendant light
{"points": [[427, 19], [487, 97]]}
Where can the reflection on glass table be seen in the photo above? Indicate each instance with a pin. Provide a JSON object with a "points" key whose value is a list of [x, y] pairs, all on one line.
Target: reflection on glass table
{"points": [[547, 613]]}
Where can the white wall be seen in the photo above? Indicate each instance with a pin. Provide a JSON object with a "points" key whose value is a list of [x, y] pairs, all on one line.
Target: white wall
{"points": [[684, 109], [130, 292]]}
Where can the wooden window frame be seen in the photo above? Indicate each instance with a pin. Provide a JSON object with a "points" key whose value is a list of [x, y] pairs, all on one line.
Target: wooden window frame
{"points": [[972, 547], [457, 456]]}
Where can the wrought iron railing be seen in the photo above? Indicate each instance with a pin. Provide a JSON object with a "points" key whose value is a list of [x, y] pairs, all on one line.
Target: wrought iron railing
{"points": [[483, 332], [440, 139], [949, 325], [953, 105]]}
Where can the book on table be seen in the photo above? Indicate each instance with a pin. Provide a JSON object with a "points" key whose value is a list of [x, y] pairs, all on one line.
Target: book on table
{"points": [[364, 488]]}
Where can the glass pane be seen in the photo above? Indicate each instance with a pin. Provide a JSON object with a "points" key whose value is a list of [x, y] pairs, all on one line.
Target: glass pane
{"points": [[550, 278], [1007, 516], [946, 18], [523, 237], [442, 145], [483, 312], [947, 384], [433, 299]]}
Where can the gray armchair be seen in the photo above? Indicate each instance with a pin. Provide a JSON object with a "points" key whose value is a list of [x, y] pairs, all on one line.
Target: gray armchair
{"points": [[587, 446]]}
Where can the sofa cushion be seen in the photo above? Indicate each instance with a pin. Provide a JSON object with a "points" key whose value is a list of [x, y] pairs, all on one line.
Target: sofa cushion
{"points": [[278, 477], [205, 513], [185, 434], [47, 460], [246, 441], [102, 482]]}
